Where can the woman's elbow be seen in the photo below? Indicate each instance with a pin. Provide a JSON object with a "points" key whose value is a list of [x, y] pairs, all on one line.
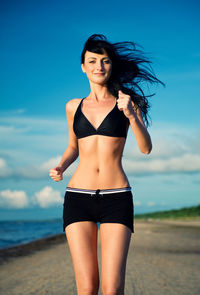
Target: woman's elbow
{"points": [[147, 150]]}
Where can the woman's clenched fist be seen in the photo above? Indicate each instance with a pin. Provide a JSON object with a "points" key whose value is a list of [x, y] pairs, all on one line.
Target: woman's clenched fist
{"points": [[56, 173]]}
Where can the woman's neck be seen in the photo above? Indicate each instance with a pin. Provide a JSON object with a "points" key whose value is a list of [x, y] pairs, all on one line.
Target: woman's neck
{"points": [[99, 92]]}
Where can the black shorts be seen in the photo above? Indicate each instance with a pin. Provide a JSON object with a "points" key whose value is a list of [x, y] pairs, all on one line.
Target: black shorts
{"points": [[103, 206]]}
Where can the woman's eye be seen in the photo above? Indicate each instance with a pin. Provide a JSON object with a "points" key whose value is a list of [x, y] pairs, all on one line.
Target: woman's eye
{"points": [[105, 61]]}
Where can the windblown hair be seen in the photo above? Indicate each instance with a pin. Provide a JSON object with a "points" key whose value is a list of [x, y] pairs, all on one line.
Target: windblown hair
{"points": [[129, 69]]}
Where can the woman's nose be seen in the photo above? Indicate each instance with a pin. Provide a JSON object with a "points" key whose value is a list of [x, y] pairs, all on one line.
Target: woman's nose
{"points": [[100, 65]]}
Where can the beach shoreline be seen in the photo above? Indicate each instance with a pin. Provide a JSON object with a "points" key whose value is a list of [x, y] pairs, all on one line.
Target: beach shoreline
{"points": [[31, 247], [46, 242]]}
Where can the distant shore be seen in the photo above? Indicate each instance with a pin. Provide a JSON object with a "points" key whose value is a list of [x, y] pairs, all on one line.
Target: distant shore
{"points": [[186, 213]]}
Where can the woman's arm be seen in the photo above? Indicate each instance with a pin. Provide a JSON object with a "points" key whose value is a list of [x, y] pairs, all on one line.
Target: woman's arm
{"points": [[138, 127], [140, 131], [71, 153]]}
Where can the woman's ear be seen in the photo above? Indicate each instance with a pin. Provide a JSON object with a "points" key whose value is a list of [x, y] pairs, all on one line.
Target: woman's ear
{"points": [[83, 68]]}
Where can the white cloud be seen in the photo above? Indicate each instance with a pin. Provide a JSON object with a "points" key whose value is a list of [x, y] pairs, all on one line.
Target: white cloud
{"points": [[52, 162], [12, 112], [2, 163], [150, 204], [13, 199], [28, 142], [175, 150], [11, 130], [137, 203], [163, 203], [20, 111], [5, 171], [47, 197], [180, 164], [34, 171], [36, 136], [35, 124]]}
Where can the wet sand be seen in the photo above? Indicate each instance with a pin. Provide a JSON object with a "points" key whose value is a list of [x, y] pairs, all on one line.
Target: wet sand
{"points": [[163, 259]]}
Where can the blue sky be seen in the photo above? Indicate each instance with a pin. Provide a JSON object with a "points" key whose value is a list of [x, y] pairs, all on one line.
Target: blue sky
{"points": [[41, 43]]}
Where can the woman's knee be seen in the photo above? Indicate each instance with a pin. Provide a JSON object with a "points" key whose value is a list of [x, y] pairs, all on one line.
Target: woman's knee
{"points": [[88, 289], [112, 290]]}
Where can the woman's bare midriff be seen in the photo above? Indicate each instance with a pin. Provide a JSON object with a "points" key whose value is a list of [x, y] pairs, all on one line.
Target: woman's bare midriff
{"points": [[100, 163]]}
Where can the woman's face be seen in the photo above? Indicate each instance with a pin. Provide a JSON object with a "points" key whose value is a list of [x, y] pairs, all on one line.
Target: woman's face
{"points": [[97, 67]]}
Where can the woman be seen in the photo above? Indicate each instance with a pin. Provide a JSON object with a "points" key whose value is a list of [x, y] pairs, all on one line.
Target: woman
{"points": [[99, 190]]}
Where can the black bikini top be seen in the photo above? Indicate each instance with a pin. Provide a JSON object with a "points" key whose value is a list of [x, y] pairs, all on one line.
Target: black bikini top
{"points": [[114, 124]]}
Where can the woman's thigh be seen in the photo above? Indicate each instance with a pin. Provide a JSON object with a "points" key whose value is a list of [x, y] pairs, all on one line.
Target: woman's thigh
{"points": [[82, 241], [115, 240]]}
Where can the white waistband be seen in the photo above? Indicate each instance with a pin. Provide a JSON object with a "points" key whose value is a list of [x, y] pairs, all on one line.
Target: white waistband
{"points": [[104, 191]]}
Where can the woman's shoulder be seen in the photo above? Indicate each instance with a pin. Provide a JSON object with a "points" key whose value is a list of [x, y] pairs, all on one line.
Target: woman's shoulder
{"points": [[72, 104]]}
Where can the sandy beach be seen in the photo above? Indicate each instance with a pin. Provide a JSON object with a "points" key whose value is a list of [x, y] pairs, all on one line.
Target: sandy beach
{"points": [[163, 259]]}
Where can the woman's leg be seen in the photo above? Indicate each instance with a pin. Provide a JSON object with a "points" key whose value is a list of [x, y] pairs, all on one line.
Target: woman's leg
{"points": [[82, 241], [115, 240]]}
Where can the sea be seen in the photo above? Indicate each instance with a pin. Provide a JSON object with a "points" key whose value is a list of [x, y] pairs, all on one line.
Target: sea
{"points": [[13, 233]]}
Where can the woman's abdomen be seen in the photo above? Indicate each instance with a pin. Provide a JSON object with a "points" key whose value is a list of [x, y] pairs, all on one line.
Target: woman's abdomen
{"points": [[96, 176], [100, 164]]}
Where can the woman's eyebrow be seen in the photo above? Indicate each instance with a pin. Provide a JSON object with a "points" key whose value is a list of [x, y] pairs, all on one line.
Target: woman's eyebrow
{"points": [[96, 58]]}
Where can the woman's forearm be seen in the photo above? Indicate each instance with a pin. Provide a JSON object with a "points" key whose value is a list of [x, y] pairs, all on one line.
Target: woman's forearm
{"points": [[70, 155], [142, 136]]}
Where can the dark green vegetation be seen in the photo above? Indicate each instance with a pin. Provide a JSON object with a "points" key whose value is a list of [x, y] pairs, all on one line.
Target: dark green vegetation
{"points": [[184, 213]]}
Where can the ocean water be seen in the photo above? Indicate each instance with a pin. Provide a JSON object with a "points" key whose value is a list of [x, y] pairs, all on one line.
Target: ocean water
{"points": [[13, 233]]}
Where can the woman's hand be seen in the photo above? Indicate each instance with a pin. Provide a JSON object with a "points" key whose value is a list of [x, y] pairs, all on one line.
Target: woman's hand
{"points": [[125, 104], [56, 173]]}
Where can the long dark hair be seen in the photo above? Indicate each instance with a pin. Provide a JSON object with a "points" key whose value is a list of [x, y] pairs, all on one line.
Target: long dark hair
{"points": [[129, 69]]}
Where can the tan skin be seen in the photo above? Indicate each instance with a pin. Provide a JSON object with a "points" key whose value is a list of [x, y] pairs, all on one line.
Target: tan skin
{"points": [[99, 156]]}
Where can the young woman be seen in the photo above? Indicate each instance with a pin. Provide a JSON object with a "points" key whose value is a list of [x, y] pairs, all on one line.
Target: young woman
{"points": [[99, 190]]}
